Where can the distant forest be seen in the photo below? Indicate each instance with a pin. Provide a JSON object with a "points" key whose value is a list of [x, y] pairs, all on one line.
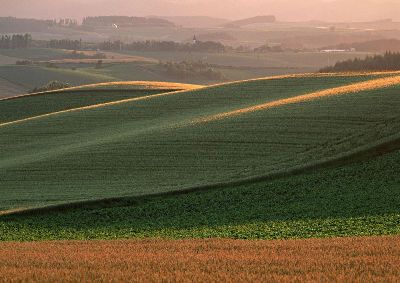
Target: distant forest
{"points": [[390, 61], [150, 45]]}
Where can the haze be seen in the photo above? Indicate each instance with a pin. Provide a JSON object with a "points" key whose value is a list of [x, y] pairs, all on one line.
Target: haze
{"points": [[284, 10]]}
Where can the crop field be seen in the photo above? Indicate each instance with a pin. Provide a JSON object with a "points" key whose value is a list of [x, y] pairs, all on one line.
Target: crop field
{"points": [[30, 77], [329, 260], [34, 54], [354, 200], [302, 60], [6, 60], [8, 89], [25, 106], [168, 142]]}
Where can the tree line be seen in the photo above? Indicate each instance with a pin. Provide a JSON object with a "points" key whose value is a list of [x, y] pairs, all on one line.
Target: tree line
{"points": [[15, 41], [150, 45], [64, 44], [390, 61]]}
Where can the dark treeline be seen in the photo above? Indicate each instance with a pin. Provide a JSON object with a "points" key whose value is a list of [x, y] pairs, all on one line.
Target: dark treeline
{"points": [[199, 46], [15, 41], [388, 62], [65, 44], [185, 70], [122, 21]]}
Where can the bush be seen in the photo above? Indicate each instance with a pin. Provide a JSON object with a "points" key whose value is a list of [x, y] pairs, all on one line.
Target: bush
{"points": [[23, 62], [186, 69], [53, 85], [99, 64]]}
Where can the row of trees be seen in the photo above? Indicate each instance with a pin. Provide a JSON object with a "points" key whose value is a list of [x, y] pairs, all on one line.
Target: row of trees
{"points": [[15, 41], [65, 44], [390, 61], [185, 69], [150, 45]]}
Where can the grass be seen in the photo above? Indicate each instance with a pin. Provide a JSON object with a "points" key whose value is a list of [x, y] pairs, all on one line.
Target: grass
{"points": [[348, 260], [151, 145], [6, 60], [34, 54], [8, 89], [22, 107], [30, 77], [360, 199]]}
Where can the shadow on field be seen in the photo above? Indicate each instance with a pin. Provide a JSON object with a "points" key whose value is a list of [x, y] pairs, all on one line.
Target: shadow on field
{"points": [[366, 189]]}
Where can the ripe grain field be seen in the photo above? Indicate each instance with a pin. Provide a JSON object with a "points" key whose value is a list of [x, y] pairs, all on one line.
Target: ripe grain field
{"points": [[144, 146], [329, 260]]}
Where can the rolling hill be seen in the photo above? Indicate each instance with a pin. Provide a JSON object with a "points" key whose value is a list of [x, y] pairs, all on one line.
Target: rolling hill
{"points": [[223, 135], [36, 104]]}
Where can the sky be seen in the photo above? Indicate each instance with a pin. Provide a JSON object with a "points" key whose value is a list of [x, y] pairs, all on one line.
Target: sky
{"points": [[284, 10]]}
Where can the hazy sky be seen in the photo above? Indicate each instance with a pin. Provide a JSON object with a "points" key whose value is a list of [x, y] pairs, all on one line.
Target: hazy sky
{"points": [[294, 10]]}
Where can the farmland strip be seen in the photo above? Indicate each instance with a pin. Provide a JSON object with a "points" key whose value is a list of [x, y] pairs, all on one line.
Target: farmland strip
{"points": [[353, 88]]}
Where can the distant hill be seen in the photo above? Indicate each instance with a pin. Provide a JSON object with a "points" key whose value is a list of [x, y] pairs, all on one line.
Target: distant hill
{"points": [[15, 25], [196, 21], [251, 21], [123, 21]]}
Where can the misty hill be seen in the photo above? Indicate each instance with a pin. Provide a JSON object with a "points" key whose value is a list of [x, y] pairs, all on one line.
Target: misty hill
{"points": [[251, 21], [196, 21], [15, 25], [285, 10], [122, 21]]}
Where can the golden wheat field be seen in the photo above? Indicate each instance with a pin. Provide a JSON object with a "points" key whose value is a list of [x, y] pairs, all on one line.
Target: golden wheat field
{"points": [[330, 260]]}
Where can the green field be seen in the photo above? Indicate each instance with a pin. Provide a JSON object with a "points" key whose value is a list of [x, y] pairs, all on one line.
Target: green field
{"points": [[310, 61], [34, 54], [232, 66], [8, 89], [30, 77], [26, 106], [168, 142], [355, 200]]}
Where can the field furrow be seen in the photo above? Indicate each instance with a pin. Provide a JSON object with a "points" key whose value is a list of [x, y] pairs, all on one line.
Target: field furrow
{"points": [[149, 144]]}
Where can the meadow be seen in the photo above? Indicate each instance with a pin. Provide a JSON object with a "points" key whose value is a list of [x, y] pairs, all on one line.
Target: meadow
{"points": [[351, 260], [177, 141]]}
